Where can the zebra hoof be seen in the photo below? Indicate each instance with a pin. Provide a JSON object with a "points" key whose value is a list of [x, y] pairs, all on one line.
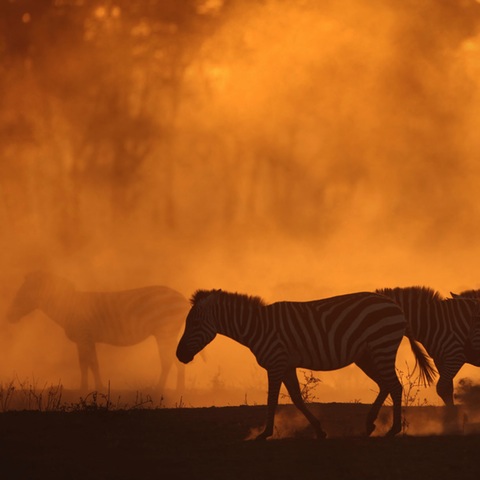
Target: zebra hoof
{"points": [[370, 429], [321, 435], [393, 431], [262, 437]]}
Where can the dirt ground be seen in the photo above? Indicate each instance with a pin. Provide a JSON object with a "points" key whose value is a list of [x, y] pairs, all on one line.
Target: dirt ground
{"points": [[210, 443]]}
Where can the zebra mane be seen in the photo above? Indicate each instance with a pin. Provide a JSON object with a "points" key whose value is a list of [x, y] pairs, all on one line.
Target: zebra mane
{"points": [[472, 294], [201, 295], [424, 293]]}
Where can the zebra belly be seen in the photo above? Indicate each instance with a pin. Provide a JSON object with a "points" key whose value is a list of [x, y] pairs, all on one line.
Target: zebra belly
{"points": [[113, 335], [120, 340], [300, 360]]}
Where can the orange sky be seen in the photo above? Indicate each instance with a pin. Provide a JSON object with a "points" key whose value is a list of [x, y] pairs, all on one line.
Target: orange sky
{"points": [[314, 151]]}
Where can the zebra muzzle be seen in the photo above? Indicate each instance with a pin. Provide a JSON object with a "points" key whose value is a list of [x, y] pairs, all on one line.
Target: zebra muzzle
{"points": [[183, 356]]}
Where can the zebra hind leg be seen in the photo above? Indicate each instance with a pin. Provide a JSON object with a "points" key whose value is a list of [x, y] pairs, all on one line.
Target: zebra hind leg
{"points": [[291, 382], [373, 413], [387, 384], [396, 394], [451, 424]]}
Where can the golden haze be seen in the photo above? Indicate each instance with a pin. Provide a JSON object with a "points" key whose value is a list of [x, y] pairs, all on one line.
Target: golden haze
{"points": [[282, 149]]}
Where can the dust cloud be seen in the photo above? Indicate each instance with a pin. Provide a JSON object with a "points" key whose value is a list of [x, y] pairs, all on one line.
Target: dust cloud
{"points": [[292, 150]]}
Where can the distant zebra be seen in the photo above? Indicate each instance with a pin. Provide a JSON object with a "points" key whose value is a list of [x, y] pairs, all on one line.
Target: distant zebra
{"points": [[449, 329], [327, 334], [115, 318]]}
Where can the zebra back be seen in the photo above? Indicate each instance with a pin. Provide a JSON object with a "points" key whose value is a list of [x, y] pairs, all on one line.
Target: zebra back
{"points": [[322, 334], [437, 322]]}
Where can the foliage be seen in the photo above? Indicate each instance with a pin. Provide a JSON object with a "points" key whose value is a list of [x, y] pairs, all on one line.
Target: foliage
{"points": [[307, 386], [412, 387], [27, 395]]}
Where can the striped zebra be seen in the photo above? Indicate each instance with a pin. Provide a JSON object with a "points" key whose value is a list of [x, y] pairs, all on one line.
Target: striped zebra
{"points": [[361, 328], [449, 329], [116, 318]]}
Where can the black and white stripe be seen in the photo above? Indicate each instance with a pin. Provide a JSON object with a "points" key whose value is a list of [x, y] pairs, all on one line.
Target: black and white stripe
{"points": [[329, 334], [449, 329], [115, 318]]}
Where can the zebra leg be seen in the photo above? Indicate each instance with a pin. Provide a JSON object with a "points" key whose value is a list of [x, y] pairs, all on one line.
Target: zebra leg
{"points": [[180, 377], [83, 361], [87, 355], [386, 385], [445, 391], [274, 383], [396, 391], [366, 365], [291, 382], [167, 356], [96, 369], [445, 388]]}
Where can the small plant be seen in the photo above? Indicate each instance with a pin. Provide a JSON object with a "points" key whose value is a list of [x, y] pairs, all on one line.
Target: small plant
{"points": [[411, 393], [27, 395], [34, 398], [140, 402], [411, 388], [96, 401], [54, 398], [6, 395], [307, 387]]}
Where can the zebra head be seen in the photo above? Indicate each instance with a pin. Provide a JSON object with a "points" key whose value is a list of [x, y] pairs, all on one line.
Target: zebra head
{"points": [[200, 327], [32, 294], [473, 294]]}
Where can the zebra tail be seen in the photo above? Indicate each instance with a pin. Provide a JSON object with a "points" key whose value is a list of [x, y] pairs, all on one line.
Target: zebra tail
{"points": [[428, 372]]}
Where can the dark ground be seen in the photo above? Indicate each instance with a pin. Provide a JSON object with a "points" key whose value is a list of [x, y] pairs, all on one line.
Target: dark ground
{"points": [[208, 443]]}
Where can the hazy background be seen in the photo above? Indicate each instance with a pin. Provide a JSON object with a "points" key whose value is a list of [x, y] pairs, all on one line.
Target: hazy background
{"points": [[289, 149]]}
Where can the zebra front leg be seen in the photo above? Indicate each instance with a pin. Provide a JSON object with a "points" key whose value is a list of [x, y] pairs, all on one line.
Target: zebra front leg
{"points": [[291, 382], [95, 368], [274, 383], [180, 378], [83, 362], [87, 356], [166, 353]]}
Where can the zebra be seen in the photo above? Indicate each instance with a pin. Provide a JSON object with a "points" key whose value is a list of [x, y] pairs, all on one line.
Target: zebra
{"points": [[121, 318], [362, 328], [449, 330]]}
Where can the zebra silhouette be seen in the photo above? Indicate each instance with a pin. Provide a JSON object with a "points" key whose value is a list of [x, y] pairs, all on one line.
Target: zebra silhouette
{"points": [[116, 318], [329, 334], [449, 329]]}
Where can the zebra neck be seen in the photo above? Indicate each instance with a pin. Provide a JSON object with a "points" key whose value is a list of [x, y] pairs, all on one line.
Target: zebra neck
{"points": [[237, 323], [58, 306]]}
